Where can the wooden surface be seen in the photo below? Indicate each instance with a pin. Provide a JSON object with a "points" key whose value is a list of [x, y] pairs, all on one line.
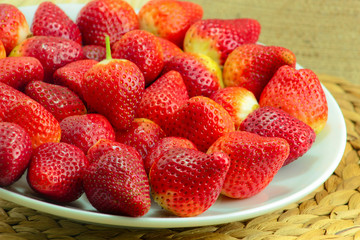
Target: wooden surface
{"points": [[324, 35]]}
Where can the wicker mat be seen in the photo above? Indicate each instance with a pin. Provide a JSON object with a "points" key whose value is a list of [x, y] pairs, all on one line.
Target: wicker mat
{"points": [[330, 212]]}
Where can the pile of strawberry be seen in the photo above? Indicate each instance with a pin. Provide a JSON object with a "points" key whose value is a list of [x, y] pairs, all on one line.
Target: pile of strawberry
{"points": [[164, 104]]}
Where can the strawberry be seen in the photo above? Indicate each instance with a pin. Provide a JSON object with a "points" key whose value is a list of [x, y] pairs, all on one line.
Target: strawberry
{"points": [[187, 182], [163, 98], [299, 93], [142, 135], [169, 19], [252, 66], [2, 50], [105, 145], [94, 52], [274, 122], [15, 152], [18, 108], [72, 74], [13, 28], [201, 120], [58, 100], [99, 18], [163, 145], [114, 88], [17, 72], [143, 49], [237, 101], [201, 75], [56, 171], [254, 161], [116, 183], [51, 20], [83, 131], [169, 49], [52, 52], [217, 38]]}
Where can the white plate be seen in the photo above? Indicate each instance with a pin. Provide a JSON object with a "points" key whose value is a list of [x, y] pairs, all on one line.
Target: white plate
{"points": [[292, 182]]}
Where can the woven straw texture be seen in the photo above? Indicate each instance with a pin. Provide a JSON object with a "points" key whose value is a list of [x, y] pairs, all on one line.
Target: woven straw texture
{"points": [[330, 212]]}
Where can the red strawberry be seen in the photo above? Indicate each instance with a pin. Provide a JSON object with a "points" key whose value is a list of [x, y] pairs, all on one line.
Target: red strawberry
{"points": [[117, 184], [56, 171], [187, 182], [104, 146], [143, 49], [94, 52], [169, 49], [299, 93], [99, 18], [52, 52], [84, 131], [169, 19], [201, 75], [13, 28], [163, 145], [15, 152], [114, 88], [201, 120], [2, 50], [252, 66], [51, 20], [58, 100], [237, 101], [72, 74], [163, 98], [17, 72], [142, 135], [254, 161], [18, 108], [217, 38], [274, 122]]}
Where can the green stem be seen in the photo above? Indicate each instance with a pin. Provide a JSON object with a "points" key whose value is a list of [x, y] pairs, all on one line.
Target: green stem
{"points": [[108, 48]]}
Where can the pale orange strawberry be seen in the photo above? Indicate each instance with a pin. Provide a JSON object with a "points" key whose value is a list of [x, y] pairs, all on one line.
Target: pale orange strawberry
{"points": [[13, 28], [2, 50], [252, 66]]}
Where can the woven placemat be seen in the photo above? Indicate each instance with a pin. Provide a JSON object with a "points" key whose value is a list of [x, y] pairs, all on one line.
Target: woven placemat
{"points": [[330, 212]]}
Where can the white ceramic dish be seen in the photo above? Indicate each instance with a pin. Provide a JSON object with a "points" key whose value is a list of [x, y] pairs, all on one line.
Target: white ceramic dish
{"points": [[292, 182]]}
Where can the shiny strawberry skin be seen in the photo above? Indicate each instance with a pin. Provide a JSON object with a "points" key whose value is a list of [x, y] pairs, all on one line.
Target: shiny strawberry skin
{"points": [[163, 98], [143, 134], [114, 88], [15, 152], [72, 74], [252, 66], [201, 120], [117, 184], [106, 17], [169, 19], [56, 172], [17, 72], [58, 100], [52, 52], [254, 161], [198, 78], [94, 52], [163, 145], [217, 38], [84, 131], [14, 27], [51, 20], [18, 108], [299, 93], [169, 49], [143, 49], [187, 182], [274, 122]]}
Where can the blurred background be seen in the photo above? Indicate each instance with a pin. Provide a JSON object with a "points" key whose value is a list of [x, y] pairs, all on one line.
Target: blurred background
{"points": [[324, 35]]}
